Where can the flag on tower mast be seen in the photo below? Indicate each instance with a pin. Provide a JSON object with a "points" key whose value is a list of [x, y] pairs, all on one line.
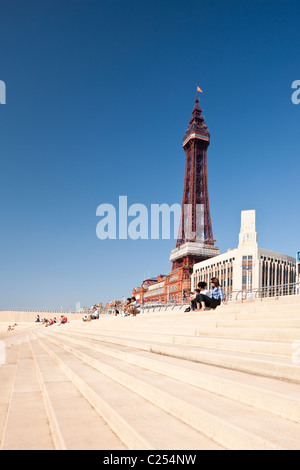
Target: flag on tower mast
{"points": [[199, 89]]}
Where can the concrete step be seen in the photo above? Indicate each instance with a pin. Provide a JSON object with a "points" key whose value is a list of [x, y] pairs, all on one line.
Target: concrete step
{"points": [[279, 367], [262, 306], [20, 328], [276, 396], [233, 425], [255, 308], [198, 329], [225, 318], [75, 424], [229, 309], [263, 312], [258, 323], [130, 339], [221, 314], [193, 328], [218, 379], [7, 379], [224, 322], [131, 417], [263, 334], [292, 310], [26, 426]]}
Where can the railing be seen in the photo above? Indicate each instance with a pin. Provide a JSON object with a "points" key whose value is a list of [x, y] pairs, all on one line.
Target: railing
{"points": [[230, 296], [58, 311], [152, 306], [264, 292], [233, 296]]}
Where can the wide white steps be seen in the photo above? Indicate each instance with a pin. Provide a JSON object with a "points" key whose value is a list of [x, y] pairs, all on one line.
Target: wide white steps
{"points": [[74, 422], [131, 417], [264, 392], [26, 421], [233, 425], [270, 365], [167, 380]]}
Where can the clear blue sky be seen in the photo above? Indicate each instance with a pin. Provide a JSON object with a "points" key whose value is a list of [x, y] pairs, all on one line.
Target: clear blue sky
{"points": [[99, 95]]}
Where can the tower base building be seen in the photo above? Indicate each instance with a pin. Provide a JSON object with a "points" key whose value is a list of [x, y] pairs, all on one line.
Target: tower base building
{"points": [[249, 271]]}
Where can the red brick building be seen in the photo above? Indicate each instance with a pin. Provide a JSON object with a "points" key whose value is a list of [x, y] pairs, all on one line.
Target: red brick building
{"points": [[172, 287]]}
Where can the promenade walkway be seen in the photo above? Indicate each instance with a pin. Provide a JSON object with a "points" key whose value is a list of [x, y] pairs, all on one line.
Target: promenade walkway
{"points": [[223, 379]]}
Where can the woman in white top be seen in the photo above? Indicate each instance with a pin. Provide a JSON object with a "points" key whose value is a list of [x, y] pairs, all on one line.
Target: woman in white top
{"points": [[202, 287]]}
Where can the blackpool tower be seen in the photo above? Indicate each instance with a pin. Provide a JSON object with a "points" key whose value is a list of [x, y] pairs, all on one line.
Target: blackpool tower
{"points": [[195, 241]]}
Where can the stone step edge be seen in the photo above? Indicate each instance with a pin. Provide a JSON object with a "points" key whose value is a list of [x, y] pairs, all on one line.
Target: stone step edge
{"points": [[129, 436], [274, 403], [252, 365], [128, 340], [249, 365], [216, 322], [2, 437], [55, 431], [264, 334], [187, 413], [16, 333]]}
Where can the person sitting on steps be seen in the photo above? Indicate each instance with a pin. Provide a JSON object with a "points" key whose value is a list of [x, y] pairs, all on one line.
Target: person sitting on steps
{"points": [[193, 305], [134, 307], [202, 288], [213, 299], [126, 306]]}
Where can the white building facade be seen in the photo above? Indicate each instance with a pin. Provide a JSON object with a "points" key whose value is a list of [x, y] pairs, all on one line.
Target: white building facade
{"points": [[248, 269]]}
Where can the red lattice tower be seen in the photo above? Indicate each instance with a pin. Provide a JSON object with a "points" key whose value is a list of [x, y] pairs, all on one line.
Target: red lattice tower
{"points": [[195, 240]]}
